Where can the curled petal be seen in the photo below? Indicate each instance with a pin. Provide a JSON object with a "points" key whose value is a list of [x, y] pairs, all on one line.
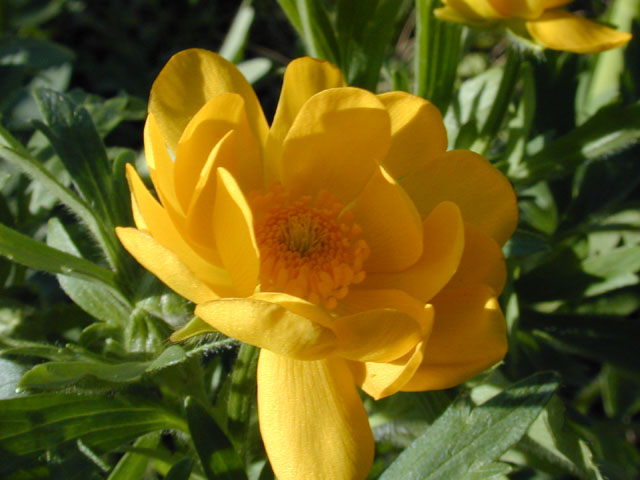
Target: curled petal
{"points": [[234, 236], [270, 326], [187, 82], [383, 379], [160, 166], [312, 420], [220, 115], [153, 219], [561, 30], [303, 78], [318, 155], [469, 335]]}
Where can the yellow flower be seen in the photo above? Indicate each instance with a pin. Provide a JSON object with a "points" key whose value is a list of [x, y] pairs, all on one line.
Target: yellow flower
{"points": [[547, 25], [344, 241]]}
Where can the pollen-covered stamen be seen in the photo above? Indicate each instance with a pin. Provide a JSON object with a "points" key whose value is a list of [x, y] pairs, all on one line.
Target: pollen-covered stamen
{"points": [[309, 247]]}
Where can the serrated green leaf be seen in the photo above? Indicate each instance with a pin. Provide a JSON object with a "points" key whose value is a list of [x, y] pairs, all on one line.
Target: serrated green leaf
{"points": [[219, 459], [464, 440], [13, 152], [133, 465], [76, 141], [552, 446]]}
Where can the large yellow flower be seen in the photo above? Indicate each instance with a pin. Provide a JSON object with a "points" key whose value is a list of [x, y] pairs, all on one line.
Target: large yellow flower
{"points": [[547, 25], [344, 241]]}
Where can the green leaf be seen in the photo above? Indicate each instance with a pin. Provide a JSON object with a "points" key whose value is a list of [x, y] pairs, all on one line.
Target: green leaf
{"points": [[237, 402], [232, 47], [216, 453], [463, 441], [365, 30], [13, 152], [311, 20], [102, 303], [134, 465], [438, 51], [57, 374], [552, 446], [32, 53], [603, 338], [76, 141], [24, 250], [600, 85], [196, 326], [180, 470], [35, 423], [606, 133]]}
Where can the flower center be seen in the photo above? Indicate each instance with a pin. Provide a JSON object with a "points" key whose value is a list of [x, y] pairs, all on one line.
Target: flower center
{"points": [[309, 247]]}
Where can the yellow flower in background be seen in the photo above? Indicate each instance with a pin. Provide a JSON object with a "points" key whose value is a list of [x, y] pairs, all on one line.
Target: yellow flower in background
{"points": [[546, 24], [344, 241]]}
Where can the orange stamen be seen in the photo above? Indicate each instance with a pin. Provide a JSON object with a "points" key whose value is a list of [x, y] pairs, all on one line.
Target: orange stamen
{"points": [[308, 247]]}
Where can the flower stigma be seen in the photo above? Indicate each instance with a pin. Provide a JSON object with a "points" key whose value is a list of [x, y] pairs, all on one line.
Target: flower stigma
{"points": [[309, 246]]}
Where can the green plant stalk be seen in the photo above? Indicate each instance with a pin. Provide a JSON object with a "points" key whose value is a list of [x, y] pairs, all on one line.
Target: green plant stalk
{"points": [[497, 115]]}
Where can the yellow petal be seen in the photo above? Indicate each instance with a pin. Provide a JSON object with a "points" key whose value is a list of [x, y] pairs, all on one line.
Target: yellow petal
{"points": [[482, 262], [448, 14], [361, 300], [484, 195], [160, 226], [234, 236], [519, 8], [475, 9], [383, 379], [199, 221], [417, 133], [469, 335], [298, 306], [303, 78], [312, 420], [334, 143], [213, 121], [164, 264], [443, 245], [379, 335], [160, 165], [390, 223], [561, 30], [268, 325], [187, 82]]}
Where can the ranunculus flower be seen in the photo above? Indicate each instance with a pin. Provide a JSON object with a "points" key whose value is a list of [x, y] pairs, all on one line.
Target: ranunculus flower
{"points": [[546, 24], [344, 241]]}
